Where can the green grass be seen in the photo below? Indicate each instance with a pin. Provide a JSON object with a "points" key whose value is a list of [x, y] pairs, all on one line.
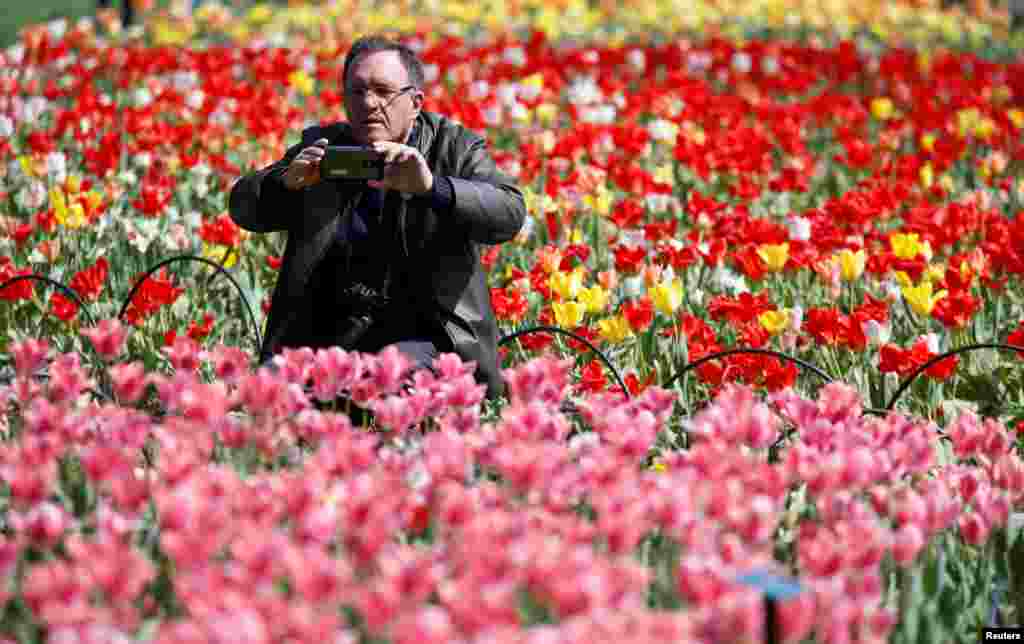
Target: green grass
{"points": [[19, 13]]}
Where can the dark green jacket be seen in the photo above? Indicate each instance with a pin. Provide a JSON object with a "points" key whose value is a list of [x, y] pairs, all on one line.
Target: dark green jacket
{"points": [[441, 250]]}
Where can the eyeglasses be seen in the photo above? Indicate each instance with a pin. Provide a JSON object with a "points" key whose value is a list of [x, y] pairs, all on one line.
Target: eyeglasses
{"points": [[382, 97]]}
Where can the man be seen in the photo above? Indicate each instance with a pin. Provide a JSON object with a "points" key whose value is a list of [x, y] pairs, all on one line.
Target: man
{"points": [[405, 248]]}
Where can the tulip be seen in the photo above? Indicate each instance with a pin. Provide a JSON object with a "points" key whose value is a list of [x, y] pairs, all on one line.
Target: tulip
{"points": [[921, 299], [615, 329], [906, 245], [568, 314], [667, 296], [1016, 116], [774, 322], [851, 264], [774, 256], [926, 175], [566, 285], [882, 108], [595, 298], [907, 543]]}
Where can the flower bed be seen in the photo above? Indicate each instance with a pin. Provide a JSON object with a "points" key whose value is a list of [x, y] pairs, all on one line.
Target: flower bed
{"points": [[847, 196]]}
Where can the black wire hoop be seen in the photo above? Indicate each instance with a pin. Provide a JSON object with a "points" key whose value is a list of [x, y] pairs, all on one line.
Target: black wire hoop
{"points": [[942, 356], [220, 271], [98, 364], [64, 288], [575, 336], [690, 366]]}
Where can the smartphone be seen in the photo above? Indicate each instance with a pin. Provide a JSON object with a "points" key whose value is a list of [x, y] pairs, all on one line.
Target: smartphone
{"points": [[351, 163]]}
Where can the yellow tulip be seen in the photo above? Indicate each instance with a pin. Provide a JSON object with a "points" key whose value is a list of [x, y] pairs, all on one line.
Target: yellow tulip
{"points": [[568, 314], [595, 298], [1016, 117], [968, 120], [601, 201], [614, 329], [774, 256], [946, 182], [216, 253], [26, 166], [667, 296], [882, 108], [566, 285], [928, 141], [927, 175], [259, 14], [985, 128], [535, 81], [921, 299], [851, 264], [546, 113], [774, 322], [903, 279], [934, 273], [664, 175], [60, 205], [906, 245], [75, 217], [301, 81]]}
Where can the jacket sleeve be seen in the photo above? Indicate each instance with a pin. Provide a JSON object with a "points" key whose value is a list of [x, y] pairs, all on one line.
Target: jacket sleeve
{"points": [[260, 203], [487, 204]]}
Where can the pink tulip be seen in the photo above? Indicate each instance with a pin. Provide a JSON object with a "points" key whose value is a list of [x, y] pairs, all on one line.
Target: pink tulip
{"points": [[185, 354], [736, 417], [42, 525], [973, 528], [332, 371], [295, 365], [394, 413], [544, 379], [29, 355], [968, 485], [129, 381], [839, 402], [1008, 474], [230, 363], [67, 379], [462, 392], [881, 621], [388, 369], [796, 617], [427, 625], [532, 420], [317, 576], [995, 509], [107, 337], [907, 543], [449, 366]]}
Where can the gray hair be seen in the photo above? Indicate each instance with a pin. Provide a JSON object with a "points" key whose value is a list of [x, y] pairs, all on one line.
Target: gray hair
{"points": [[372, 44]]}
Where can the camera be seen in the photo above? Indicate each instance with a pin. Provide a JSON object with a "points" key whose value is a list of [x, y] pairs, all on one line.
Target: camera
{"points": [[351, 163], [365, 306]]}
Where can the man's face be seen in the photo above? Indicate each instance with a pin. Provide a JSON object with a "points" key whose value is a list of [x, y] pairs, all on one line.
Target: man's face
{"points": [[380, 103]]}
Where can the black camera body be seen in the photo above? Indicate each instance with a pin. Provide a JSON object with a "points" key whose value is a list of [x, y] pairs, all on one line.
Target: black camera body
{"points": [[365, 306], [351, 163]]}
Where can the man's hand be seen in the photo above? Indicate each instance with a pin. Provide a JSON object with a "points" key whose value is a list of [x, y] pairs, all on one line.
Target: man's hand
{"points": [[406, 170], [304, 169]]}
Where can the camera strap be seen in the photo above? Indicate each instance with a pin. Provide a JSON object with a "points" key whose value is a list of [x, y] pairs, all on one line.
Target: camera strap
{"points": [[375, 245]]}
